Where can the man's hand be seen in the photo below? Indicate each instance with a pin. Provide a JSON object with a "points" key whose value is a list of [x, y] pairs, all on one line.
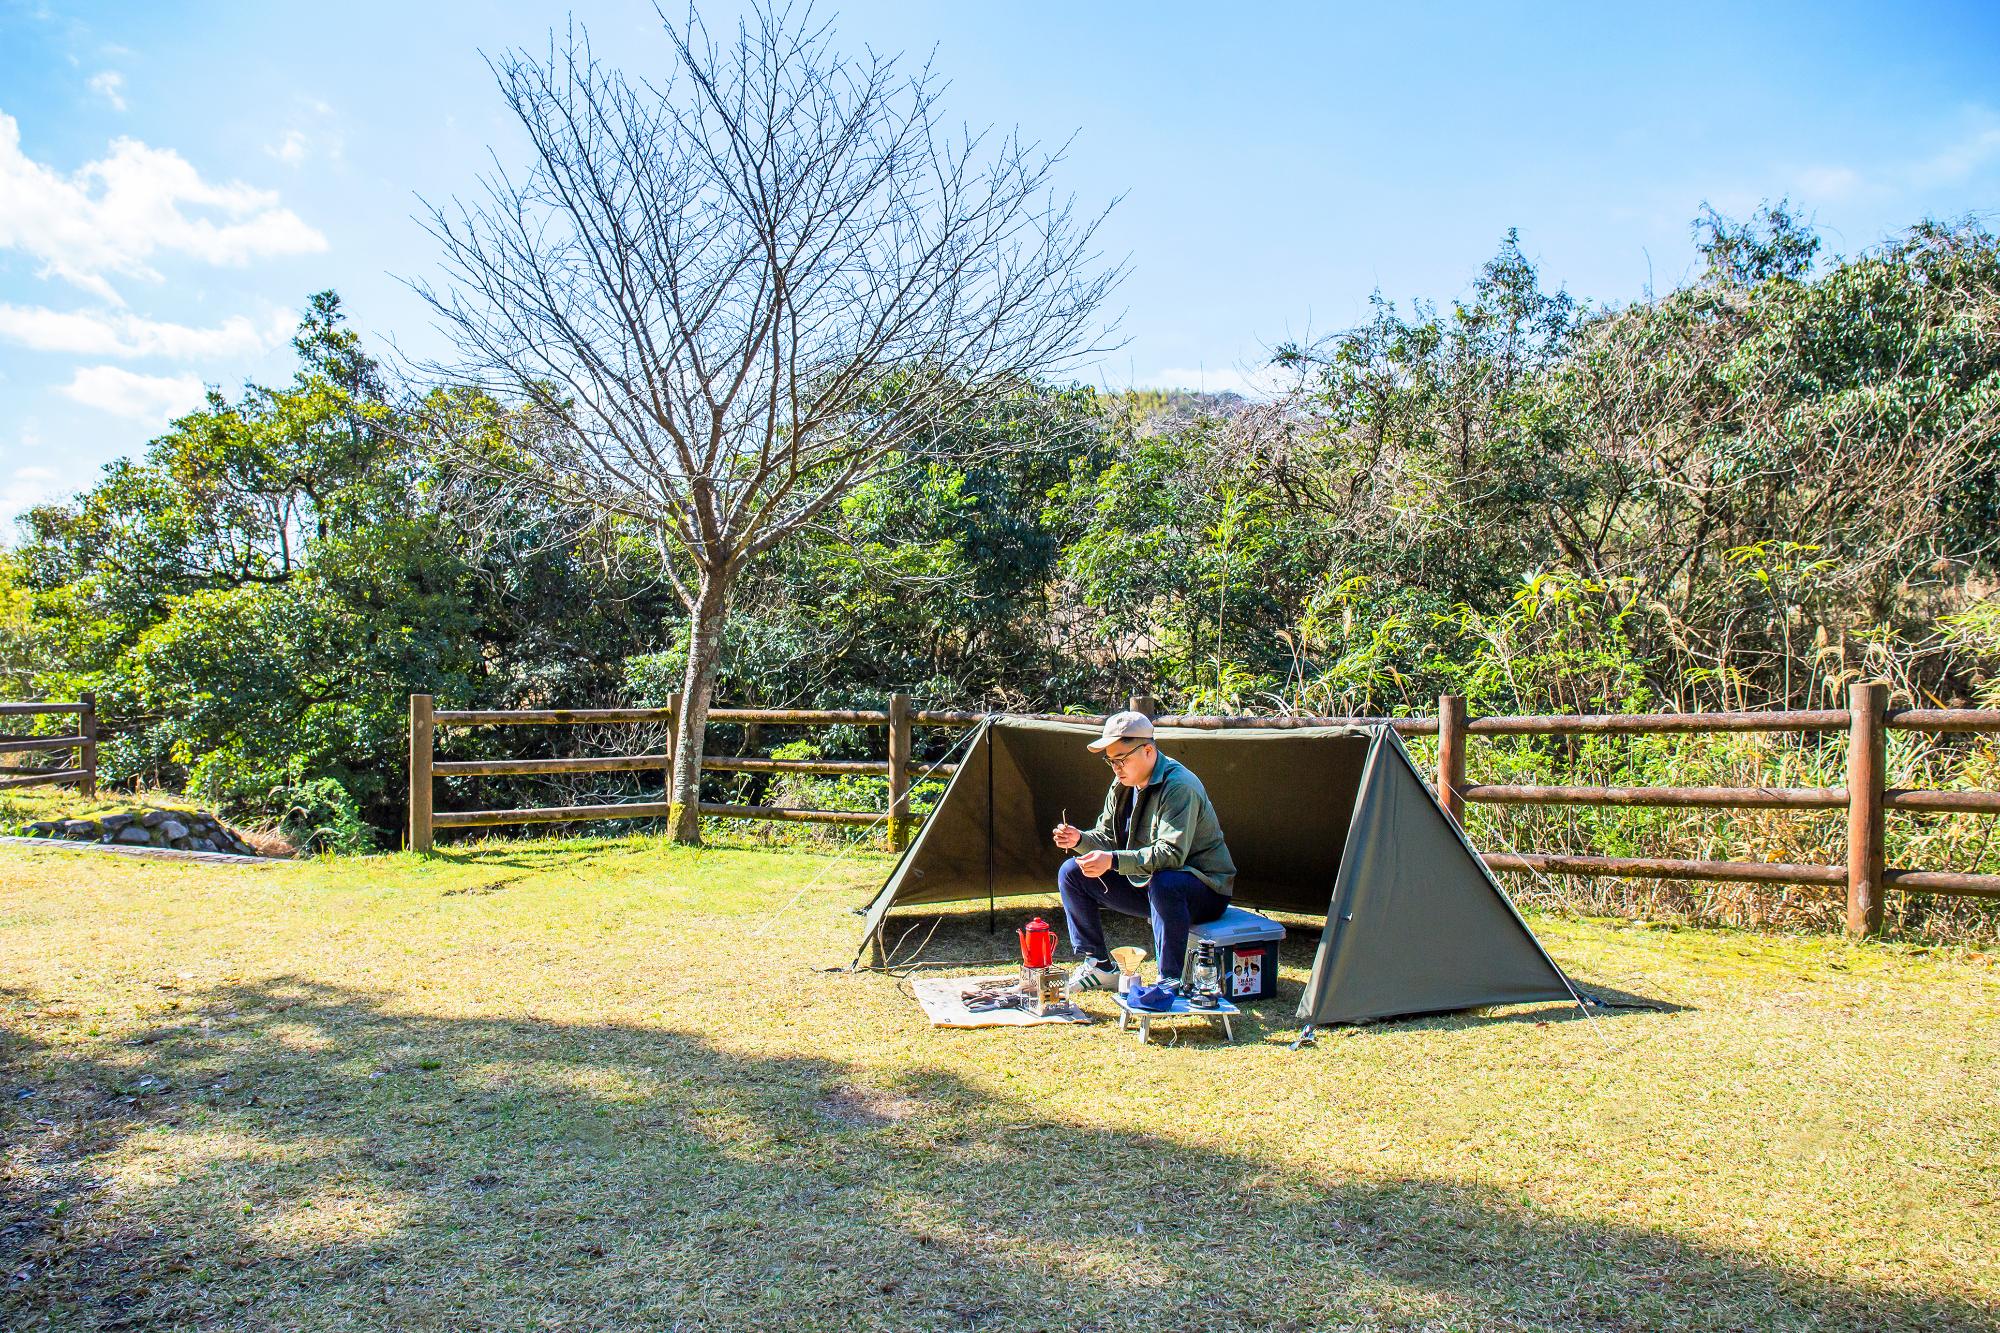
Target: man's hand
{"points": [[1068, 835], [1094, 864]]}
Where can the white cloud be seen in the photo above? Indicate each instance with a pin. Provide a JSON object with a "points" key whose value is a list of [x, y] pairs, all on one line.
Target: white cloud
{"points": [[28, 484], [1952, 164], [114, 214], [110, 84], [312, 131], [120, 333], [1827, 182], [1957, 161], [290, 150], [149, 398], [25, 488]]}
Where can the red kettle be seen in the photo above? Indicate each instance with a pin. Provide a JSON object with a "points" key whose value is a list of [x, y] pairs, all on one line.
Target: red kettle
{"points": [[1038, 944]]}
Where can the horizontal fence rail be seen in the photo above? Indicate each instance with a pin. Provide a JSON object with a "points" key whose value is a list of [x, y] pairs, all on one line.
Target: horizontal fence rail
{"points": [[899, 718], [1865, 797], [1706, 798], [79, 767], [1647, 867], [1865, 720]]}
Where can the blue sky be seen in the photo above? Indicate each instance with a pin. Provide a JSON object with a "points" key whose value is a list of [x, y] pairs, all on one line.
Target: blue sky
{"points": [[175, 179]]}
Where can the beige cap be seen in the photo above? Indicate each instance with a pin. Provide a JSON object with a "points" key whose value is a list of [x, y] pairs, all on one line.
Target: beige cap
{"points": [[1124, 727]]}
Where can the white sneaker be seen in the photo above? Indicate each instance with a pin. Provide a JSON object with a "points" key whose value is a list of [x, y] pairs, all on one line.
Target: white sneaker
{"points": [[1093, 974]]}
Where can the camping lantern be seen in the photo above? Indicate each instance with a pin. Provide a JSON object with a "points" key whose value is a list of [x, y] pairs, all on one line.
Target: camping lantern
{"points": [[1205, 981], [1038, 944]]}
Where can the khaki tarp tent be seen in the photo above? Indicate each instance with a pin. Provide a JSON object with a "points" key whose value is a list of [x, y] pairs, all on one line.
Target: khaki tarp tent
{"points": [[1331, 821]]}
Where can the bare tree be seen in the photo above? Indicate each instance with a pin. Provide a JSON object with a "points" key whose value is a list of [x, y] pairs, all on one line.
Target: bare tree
{"points": [[722, 301]]}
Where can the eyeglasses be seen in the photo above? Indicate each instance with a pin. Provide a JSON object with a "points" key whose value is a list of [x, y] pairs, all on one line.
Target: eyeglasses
{"points": [[1114, 760]]}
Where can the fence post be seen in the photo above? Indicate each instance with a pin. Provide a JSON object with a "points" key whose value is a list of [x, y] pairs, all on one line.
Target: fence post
{"points": [[1451, 755], [673, 740], [1143, 703], [423, 727], [899, 771], [86, 753], [1865, 706]]}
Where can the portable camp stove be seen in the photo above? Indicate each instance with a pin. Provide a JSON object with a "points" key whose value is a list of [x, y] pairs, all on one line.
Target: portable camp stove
{"points": [[1041, 989]]}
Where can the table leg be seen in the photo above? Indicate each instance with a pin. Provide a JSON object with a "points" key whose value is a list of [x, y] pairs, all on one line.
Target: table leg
{"points": [[1124, 1019], [1145, 1030], [1228, 1032]]}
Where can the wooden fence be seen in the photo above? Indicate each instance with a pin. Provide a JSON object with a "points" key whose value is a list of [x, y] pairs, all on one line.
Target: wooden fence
{"points": [[1865, 720], [79, 767], [899, 717]]}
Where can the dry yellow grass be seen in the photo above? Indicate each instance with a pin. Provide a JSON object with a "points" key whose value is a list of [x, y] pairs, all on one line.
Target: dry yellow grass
{"points": [[602, 1085]]}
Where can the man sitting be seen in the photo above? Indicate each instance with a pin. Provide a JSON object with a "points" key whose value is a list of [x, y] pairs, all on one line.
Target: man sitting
{"points": [[1157, 851]]}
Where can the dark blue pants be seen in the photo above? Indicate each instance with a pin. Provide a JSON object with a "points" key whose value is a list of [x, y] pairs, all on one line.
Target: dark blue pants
{"points": [[1174, 899]]}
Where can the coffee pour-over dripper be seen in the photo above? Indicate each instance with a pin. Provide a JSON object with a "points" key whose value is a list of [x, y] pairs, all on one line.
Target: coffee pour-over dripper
{"points": [[1128, 959]]}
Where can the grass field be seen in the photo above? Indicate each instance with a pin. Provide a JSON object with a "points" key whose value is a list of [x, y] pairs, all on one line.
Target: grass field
{"points": [[608, 1085]]}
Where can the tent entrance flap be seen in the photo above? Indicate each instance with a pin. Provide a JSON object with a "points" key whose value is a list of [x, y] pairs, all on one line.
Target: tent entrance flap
{"points": [[1328, 821]]}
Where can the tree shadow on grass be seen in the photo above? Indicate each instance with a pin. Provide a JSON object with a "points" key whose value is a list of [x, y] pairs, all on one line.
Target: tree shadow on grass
{"points": [[524, 857], [568, 854], [291, 1154]]}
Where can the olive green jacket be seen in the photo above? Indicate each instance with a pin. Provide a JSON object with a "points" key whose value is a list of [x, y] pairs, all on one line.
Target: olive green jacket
{"points": [[1175, 828]]}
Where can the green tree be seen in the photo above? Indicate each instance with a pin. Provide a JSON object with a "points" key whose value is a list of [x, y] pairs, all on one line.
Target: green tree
{"points": [[254, 599]]}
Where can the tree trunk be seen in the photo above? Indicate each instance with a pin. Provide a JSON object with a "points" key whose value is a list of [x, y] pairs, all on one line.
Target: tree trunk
{"points": [[705, 626]]}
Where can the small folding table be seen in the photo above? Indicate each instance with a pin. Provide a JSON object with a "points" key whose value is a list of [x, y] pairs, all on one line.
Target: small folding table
{"points": [[1220, 1015]]}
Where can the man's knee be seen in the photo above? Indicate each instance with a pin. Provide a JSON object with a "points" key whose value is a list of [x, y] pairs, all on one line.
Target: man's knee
{"points": [[1071, 876], [1170, 886]]}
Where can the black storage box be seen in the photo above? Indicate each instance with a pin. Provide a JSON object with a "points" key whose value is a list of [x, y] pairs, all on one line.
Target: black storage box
{"points": [[1246, 948]]}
